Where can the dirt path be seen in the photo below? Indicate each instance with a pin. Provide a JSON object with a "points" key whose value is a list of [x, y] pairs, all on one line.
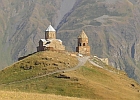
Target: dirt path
{"points": [[94, 64]]}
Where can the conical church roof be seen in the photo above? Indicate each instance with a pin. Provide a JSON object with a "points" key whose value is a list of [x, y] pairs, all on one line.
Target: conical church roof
{"points": [[50, 29], [82, 35]]}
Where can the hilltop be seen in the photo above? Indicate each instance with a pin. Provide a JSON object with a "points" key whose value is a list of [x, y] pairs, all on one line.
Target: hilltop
{"points": [[38, 64], [52, 72]]}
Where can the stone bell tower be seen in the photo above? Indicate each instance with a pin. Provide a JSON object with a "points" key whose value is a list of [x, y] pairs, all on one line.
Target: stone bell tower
{"points": [[50, 33], [83, 47]]}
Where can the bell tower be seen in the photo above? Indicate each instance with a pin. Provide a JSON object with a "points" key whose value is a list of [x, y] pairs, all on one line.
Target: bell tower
{"points": [[50, 33], [83, 47]]}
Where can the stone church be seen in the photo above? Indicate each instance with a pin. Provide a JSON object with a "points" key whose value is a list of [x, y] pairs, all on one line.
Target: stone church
{"points": [[83, 47], [50, 42]]}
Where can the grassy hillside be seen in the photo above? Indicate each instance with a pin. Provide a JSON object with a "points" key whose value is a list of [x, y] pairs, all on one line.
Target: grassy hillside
{"points": [[111, 25], [88, 81], [6, 95], [36, 65]]}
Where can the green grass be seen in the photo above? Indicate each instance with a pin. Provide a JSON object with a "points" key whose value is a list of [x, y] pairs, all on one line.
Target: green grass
{"points": [[86, 82], [53, 85], [36, 65], [10, 95]]}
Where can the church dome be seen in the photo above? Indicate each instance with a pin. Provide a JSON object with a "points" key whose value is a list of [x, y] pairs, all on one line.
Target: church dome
{"points": [[50, 29]]}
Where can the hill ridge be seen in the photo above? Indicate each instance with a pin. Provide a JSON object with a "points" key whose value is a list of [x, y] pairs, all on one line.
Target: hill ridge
{"points": [[82, 61], [70, 76]]}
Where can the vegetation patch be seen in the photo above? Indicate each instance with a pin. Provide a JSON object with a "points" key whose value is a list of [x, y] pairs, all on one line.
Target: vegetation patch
{"points": [[36, 65]]}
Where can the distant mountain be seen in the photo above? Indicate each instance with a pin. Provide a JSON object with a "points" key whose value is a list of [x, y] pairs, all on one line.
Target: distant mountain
{"points": [[111, 25], [54, 73]]}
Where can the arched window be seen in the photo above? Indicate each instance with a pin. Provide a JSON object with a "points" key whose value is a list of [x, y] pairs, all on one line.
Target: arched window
{"points": [[80, 44], [84, 44]]}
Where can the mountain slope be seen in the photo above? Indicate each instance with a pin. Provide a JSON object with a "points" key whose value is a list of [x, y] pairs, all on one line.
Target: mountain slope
{"points": [[88, 81], [112, 28]]}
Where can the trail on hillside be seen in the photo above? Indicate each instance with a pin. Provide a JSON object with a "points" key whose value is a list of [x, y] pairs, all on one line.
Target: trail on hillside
{"points": [[82, 61]]}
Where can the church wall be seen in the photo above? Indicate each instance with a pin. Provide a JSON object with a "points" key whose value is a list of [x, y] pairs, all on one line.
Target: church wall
{"points": [[82, 40], [50, 35], [85, 50]]}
